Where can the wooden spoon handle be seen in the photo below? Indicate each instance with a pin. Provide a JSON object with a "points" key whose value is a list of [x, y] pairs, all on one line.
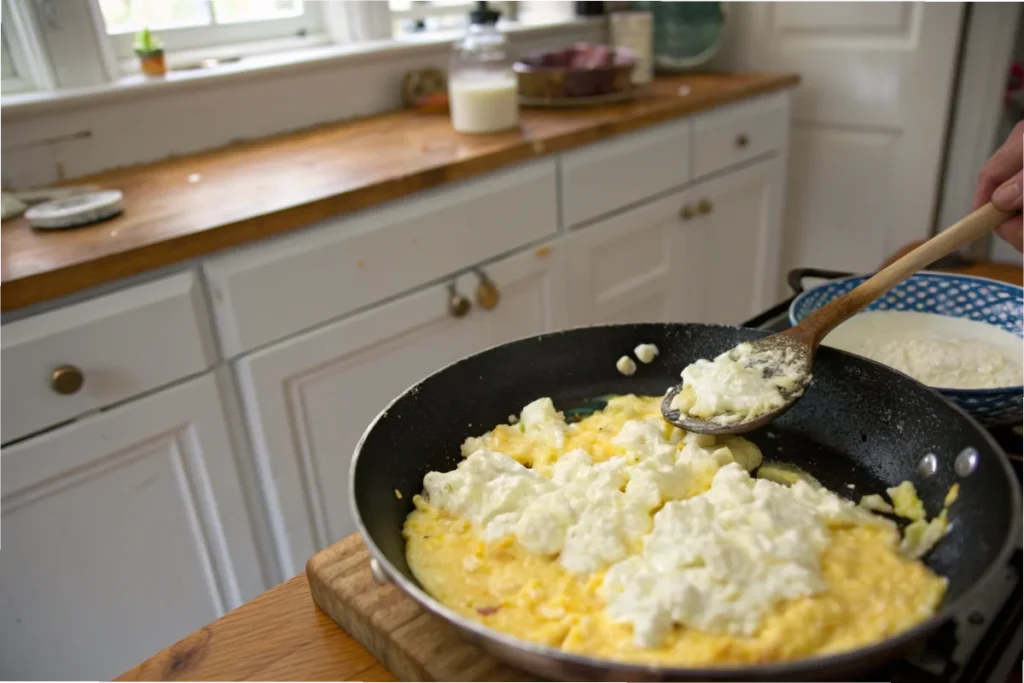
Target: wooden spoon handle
{"points": [[815, 326]]}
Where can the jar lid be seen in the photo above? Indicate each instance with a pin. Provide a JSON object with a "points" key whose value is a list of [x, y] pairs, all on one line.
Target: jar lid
{"points": [[484, 14]]}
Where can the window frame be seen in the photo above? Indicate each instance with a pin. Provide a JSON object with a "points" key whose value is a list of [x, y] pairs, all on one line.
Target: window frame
{"points": [[241, 38], [30, 64], [420, 11]]}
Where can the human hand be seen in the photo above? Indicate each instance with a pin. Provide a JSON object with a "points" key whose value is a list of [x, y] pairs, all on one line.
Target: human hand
{"points": [[1000, 182]]}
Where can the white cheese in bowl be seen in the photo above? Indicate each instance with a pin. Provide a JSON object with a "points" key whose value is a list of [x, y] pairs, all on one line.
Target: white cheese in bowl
{"points": [[937, 350]]}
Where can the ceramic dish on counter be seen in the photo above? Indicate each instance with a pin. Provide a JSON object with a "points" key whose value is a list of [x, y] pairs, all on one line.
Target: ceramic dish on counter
{"points": [[583, 73], [959, 334]]}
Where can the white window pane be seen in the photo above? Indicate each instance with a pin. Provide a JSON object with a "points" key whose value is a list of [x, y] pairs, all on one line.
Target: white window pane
{"points": [[125, 16], [5, 60], [234, 11]]}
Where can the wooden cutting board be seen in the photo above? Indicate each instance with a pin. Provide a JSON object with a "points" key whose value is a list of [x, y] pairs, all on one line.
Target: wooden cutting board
{"points": [[413, 644]]}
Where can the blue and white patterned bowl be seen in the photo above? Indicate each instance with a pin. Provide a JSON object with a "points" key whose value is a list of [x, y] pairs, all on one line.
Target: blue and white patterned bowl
{"points": [[958, 296]]}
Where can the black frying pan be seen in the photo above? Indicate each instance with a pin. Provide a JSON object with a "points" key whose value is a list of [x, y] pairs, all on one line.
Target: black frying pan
{"points": [[858, 423]]}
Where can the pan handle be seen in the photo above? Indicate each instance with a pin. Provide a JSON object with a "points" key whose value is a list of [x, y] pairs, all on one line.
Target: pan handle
{"points": [[797, 275]]}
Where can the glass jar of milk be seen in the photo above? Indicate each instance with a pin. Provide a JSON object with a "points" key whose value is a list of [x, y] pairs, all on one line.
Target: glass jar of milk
{"points": [[481, 83]]}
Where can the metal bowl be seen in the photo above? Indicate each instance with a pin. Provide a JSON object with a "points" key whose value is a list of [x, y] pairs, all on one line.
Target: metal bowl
{"points": [[958, 296]]}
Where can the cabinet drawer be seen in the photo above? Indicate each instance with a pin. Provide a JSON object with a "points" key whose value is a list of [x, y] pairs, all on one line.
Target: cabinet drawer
{"points": [[732, 135], [610, 175], [121, 344], [274, 289]]}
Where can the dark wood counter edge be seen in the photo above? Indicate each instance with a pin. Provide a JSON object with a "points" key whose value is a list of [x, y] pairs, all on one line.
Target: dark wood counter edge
{"points": [[47, 284]]}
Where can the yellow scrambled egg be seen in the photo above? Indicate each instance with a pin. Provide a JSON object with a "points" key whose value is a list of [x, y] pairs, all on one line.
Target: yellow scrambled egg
{"points": [[873, 591]]}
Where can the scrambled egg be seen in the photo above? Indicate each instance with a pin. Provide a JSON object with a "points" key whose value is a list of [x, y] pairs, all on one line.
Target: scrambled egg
{"points": [[622, 537]]}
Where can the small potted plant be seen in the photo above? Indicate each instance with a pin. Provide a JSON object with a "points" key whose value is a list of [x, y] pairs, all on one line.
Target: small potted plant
{"points": [[151, 53]]}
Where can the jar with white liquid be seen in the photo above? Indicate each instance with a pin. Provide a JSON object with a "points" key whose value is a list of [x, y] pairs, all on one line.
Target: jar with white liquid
{"points": [[482, 92]]}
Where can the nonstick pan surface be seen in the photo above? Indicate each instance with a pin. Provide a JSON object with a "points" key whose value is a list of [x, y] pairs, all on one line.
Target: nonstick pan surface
{"points": [[859, 423]]}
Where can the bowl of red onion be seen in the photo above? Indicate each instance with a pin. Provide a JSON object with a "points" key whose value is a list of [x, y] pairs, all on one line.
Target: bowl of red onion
{"points": [[583, 70]]}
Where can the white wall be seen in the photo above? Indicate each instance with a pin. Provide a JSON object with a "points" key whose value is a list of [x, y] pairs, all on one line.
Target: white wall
{"points": [[50, 142]]}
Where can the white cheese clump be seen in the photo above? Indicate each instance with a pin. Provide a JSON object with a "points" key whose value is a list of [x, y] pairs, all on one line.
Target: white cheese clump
{"points": [[646, 353], [539, 421], [732, 388], [591, 514], [721, 560], [625, 365]]}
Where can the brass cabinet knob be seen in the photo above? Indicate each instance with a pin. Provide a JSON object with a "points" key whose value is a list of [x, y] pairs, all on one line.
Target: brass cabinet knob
{"points": [[742, 140], [686, 213], [487, 294], [704, 206], [458, 305], [67, 379]]}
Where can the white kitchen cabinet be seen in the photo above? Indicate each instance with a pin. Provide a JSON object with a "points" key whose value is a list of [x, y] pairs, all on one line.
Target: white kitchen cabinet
{"points": [[709, 253], [629, 268], [121, 534], [733, 243], [270, 290], [532, 296], [606, 177], [308, 399], [109, 344]]}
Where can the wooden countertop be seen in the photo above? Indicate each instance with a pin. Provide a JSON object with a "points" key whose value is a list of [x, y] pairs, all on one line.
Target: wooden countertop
{"points": [[282, 635], [190, 206]]}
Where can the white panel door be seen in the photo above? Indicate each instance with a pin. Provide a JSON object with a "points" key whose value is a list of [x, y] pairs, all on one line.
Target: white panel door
{"points": [[122, 533], [629, 268], [734, 242], [309, 398], [869, 119], [532, 296]]}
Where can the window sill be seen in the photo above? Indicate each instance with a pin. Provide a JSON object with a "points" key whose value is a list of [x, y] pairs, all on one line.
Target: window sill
{"points": [[315, 57]]}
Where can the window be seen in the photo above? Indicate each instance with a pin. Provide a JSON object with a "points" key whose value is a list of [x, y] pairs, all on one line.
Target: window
{"points": [[415, 16], [183, 25], [24, 67], [7, 66]]}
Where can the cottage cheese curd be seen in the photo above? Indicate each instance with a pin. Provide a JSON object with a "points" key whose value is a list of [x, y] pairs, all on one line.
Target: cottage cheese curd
{"points": [[621, 536], [590, 514], [734, 387], [646, 353], [719, 561], [625, 365], [940, 351]]}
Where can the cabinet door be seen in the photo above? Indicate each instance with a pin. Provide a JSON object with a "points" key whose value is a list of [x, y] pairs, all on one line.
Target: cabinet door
{"points": [[122, 533], [733, 242], [628, 268], [531, 291], [308, 399]]}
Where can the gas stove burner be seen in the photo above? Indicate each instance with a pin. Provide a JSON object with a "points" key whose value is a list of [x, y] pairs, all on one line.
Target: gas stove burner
{"points": [[982, 644]]}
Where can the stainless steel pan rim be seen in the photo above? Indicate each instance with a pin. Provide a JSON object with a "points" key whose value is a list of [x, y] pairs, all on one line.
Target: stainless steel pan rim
{"points": [[510, 649]]}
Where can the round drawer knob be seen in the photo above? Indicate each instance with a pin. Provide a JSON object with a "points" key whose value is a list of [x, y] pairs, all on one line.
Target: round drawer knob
{"points": [[487, 294], [686, 213], [704, 206], [67, 379], [458, 305], [742, 140]]}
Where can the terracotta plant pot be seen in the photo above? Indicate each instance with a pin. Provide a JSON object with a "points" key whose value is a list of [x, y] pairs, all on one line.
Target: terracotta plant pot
{"points": [[153, 63]]}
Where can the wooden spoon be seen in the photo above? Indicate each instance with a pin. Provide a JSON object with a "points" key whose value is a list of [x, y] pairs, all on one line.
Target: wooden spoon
{"points": [[799, 344]]}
